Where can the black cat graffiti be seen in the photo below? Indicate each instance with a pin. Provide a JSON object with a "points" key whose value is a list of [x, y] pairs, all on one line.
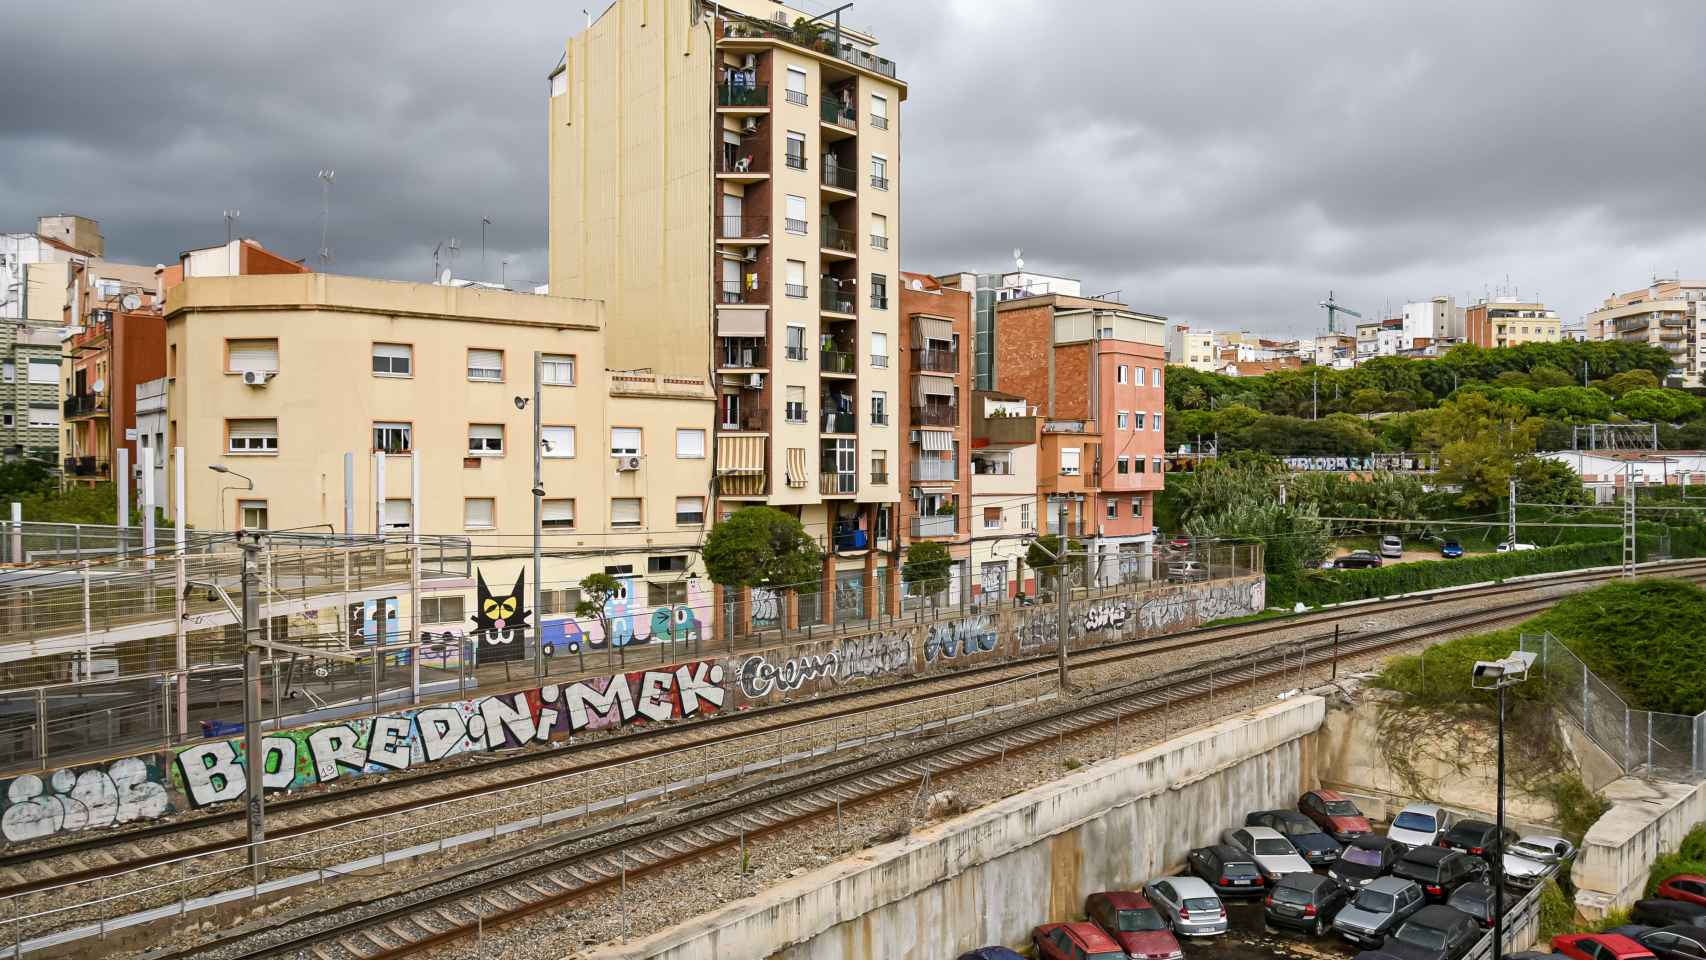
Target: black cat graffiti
{"points": [[500, 622]]}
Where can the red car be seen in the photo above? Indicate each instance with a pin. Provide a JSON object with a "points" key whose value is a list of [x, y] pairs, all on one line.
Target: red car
{"points": [[1134, 925], [1599, 946], [1074, 941], [1686, 887], [1335, 814]]}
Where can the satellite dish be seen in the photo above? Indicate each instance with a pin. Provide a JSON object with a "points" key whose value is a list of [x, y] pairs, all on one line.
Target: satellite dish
{"points": [[444, 278], [1018, 259], [131, 301], [100, 386]]}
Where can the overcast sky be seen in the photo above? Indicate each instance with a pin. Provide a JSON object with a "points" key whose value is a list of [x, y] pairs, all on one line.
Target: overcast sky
{"points": [[1224, 164]]}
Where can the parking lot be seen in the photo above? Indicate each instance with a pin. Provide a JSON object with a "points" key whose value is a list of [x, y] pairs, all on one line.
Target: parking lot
{"points": [[1249, 938]]}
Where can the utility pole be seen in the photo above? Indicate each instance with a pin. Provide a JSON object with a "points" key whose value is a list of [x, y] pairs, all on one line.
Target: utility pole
{"points": [[326, 177], [255, 763], [484, 223], [1062, 590], [1511, 513], [230, 254], [1628, 520], [1315, 395], [538, 516]]}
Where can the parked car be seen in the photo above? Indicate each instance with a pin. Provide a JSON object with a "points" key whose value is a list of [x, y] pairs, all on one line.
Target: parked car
{"points": [[1599, 946], [1664, 912], [1315, 847], [1478, 838], [1531, 860], [1418, 825], [1229, 870], [1440, 871], [1392, 546], [1304, 901], [1366, 858], [1475, 899], [1377, 909], [1274, 854], [1134, 924], [1179, 542], [1074, 941], [1686, 887], [1356, 560], [1434, 932], [991, 953], [1451, 549], [1335, 814], [1509, 547], [1186, 571], [1673, 943], [1189, 904]]}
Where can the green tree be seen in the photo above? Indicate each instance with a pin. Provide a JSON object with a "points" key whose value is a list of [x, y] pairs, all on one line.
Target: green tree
{"points": [[1619, 384], [1543, 480], [1043, 556], [1192, 397], [762, 546], [1480, 441], [1658, 405], [927, 567], [1545, 376], [1573, 403], [1368, 400], [597, 589]]}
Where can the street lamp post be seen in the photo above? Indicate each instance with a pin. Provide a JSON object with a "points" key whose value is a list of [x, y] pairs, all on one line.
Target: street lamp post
{"points": [[221, 468], [1497, 675]]}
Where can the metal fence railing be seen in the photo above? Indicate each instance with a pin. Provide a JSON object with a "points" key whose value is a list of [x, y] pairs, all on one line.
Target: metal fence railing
{"points": [[1642, 742]]}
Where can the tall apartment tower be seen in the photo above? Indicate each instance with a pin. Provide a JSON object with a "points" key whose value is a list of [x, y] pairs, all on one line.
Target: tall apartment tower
{"points": [[726, 177]]}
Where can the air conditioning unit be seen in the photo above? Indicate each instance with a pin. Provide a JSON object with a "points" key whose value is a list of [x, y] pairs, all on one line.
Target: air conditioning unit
{"points": [[780, 17], [917, 493], [751, 253], [257, 378], [749, 125], [627, 464], [755, 381], [915, 437], [751, 61]]}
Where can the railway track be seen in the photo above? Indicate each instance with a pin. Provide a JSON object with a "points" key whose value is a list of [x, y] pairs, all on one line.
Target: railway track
{"points": [[113, 853], [570, 867]]}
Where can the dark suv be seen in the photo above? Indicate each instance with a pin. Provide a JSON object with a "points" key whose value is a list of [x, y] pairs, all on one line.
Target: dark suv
{"points": [[1478, 838], [1227, 869], [1312, 844], [1366, 858], [1304, 901], [1440, 871], [1434, 933]]}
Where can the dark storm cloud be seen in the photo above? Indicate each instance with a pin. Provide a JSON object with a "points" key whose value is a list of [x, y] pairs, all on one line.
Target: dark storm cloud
{"points": [[1222, 163]]}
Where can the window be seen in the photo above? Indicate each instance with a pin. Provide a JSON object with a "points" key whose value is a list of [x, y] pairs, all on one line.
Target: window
{"points": [[1120, 419], [796, 283], [879, 466], [244, 436], [879, 349], [243, 355], [392, 437], [442, 609], [619, 570], [252, 514], [479, 513], [625, 512], [558, 603], [796, 150], [689, 511], [1113, 509], [1122, 465], [1119, 374], [397, 514], [991, 518], [879, 171], [879, 112], [485, 440], [171, 364], [796, 342], [44, 371], [1069, 461], [1157, 464], [1155, 421], [796, 404], [668, 563], [879, 408], [8, 421], [393, 360], [1137, 420], [556, 370], [797, 85], [1137, 466], [44, 415], [486, 365], [689, 444], [557, 514], [1155, 376], [1137, 375], [624, 441], [879, 231], [666, 594], [1136, 507], [1024, 516], [879, 291], [796, 214], [557, 443], [9, 370]]}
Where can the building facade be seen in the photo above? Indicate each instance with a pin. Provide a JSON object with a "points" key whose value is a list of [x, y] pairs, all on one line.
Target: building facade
{"points": [[1188, 347], [1509, 322], [1005, 431], [935, 382], [1431, 321], [1667, 314]]}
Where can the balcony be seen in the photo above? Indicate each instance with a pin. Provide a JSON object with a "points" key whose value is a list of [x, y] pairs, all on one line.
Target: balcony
{"points": [[840, 178], [742, 291], [936, 361], [936, 415], [747, 163], [754, 420], [87, 467], [744, 353], [85, 405], [839, 241], [849, 538], [840, 423], [736, 27], [926, 470], [837, 300], [835, 361], [1008, 431], [836, 114], [743, 229], [837, 484], [936, 525], [743, 94]]}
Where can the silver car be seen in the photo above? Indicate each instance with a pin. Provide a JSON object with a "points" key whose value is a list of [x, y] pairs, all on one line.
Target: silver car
{"points": [[1419, 825], [1273, 853], [1531, 860], [1189, 904], [1377, 910]]}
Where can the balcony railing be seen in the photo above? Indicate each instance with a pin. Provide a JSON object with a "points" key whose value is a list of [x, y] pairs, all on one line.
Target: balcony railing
{"points": [[745, 159], [796, 290], [879, 242], [840, 177], [797, 96], [743, 26], [840, 423], [85, 404], [878, 121], [86, 466], [834, 112], [936, 415], [935, 525], [835, 238], [836, 300], [879, 478], [880, 419], [795, 226], [742, 228], [740, 291], [743, 94], [744, 355], [750, 421], [879, 300], [879, 360], [795, 161], [834, 361], [833, 484], [879, 183], [794, 353], [936, 471], [936, 361]]}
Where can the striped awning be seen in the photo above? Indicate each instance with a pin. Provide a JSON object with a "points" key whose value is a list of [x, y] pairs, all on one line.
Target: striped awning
{"points": [[932, 328], [936, 441], [740, 455], [732, 322], [936, 386], [796, 466]]}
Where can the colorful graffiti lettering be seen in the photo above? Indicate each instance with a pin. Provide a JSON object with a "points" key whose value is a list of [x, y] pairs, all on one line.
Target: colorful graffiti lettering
{"points": [[967, 637], [758, 677], [84, 798]]}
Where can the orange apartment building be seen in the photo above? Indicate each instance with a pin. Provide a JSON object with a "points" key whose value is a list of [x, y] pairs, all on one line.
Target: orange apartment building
{"points": [[1094, 370], [934, 467]]}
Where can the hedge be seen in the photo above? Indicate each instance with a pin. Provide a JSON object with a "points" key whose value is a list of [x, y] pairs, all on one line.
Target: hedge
{"points": [[1337, 586]]}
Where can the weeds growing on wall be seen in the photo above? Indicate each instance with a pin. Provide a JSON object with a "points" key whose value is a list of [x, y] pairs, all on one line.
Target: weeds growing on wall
{"points": [[1690, 857], [1578, 807], [1557, 913]]}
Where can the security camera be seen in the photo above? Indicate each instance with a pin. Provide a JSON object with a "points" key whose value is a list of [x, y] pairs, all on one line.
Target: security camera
{"points": [[1491, 670], [521, 403]]}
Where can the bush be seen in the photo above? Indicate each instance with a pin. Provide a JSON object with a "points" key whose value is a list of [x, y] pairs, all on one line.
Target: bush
{"points": [[1557, 913], [1690, 857], [1641, 636]]}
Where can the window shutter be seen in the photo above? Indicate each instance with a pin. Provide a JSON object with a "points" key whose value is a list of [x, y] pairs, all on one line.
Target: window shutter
{"points": [[478, 512], [625, 510], [254, 428], [253, 355], [398, 514], [558, 512], [690, 444]]}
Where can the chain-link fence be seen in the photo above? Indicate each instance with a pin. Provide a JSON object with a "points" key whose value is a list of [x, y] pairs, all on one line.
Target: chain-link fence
{"points": [[1662, 745]]}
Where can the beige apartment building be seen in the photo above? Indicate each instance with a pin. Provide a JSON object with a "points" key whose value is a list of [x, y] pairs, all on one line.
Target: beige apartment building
{"points": [[274, 379], [1667, 314], [726, 178], [1187, 347], [1510, 322]]}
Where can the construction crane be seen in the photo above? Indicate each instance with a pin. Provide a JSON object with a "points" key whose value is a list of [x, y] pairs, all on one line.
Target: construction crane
{"points": [[1332, 307]]}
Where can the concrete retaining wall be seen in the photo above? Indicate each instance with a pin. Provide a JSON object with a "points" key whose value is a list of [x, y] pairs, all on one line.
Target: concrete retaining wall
{"points": [[988, 877], [1648, 818]]}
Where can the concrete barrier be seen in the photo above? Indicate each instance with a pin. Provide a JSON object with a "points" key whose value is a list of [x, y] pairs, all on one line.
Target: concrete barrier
{"points": [[989, 876], [1647, 819]]}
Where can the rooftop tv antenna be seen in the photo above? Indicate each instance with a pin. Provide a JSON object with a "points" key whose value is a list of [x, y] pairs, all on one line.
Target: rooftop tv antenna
{"points": [[435, 249], [454, 248], [1332, 307], [326, 176]]}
